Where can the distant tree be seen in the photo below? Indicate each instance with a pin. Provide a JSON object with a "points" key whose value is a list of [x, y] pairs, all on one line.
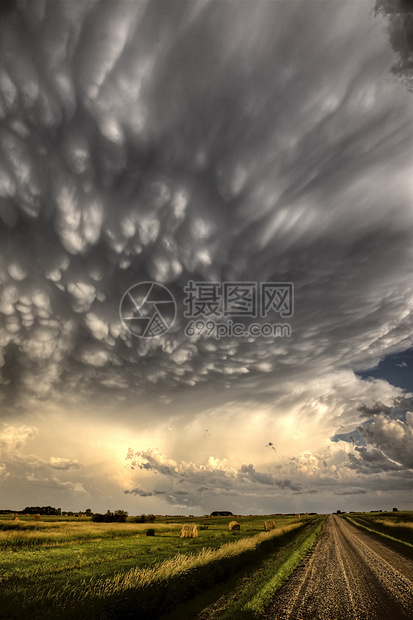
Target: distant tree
{"points": [[41, 510], [395, 510], [118, 516], [88, 512], [98, 517], [144, 519], [141, 519]]}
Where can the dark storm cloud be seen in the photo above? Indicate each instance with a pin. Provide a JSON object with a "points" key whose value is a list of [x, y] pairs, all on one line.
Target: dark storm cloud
{"points": [[199, 140], [371, 461], [363, 471], [355, 437], [384, 442], [214, 477], [248, 472], [351, 492], [393, 438], [399, 406], [376, 409], [142, 493]]}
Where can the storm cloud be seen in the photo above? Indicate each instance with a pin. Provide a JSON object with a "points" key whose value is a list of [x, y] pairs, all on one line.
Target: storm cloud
{"points": [[211, 141]]}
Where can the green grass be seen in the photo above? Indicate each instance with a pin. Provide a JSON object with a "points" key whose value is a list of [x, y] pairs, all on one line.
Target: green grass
{"points": [[396, 526], [50, 565], [253, 595]]}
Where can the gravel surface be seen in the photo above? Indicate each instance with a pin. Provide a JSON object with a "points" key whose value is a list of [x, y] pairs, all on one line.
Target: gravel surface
{"points": [[350, 575]]}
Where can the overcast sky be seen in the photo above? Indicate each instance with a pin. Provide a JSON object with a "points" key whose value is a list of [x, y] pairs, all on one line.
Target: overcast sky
{"points": [[170, 141]]}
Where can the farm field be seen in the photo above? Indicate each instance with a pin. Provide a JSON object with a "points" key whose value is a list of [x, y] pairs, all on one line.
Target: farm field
{"points": [[395, 525], [76, 568]]}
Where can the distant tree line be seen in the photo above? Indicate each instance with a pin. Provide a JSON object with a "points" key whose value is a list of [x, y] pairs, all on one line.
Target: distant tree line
{"points": [[145, 519], [40, 510], [119, 516]]}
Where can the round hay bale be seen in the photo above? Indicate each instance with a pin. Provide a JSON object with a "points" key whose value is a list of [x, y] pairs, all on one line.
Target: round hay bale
{"points": [[269, 525], [189, 530], [233, 526], [37, 517], [150, 532]]}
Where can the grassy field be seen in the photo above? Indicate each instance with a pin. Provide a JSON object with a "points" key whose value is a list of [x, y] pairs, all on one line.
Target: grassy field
{"points": [[393, 525], [250, 597], [80, 569]]}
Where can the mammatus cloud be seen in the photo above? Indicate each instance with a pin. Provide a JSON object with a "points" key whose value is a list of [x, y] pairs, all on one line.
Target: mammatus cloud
{"points": [[207, 141], [264, 162]]}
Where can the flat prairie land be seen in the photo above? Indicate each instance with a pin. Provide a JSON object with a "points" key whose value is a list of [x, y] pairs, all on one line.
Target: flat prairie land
{"points": [[76, 568], [358, 565]]}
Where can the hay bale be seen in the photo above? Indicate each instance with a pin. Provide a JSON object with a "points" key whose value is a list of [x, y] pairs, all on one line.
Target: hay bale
{"points": [[15, 518], [37, 517], [298, 516], [189, 531], [269, 525], [233, 526]]}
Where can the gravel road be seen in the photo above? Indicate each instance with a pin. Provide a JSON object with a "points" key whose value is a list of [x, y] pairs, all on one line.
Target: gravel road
{"points": [[349, 576]]}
